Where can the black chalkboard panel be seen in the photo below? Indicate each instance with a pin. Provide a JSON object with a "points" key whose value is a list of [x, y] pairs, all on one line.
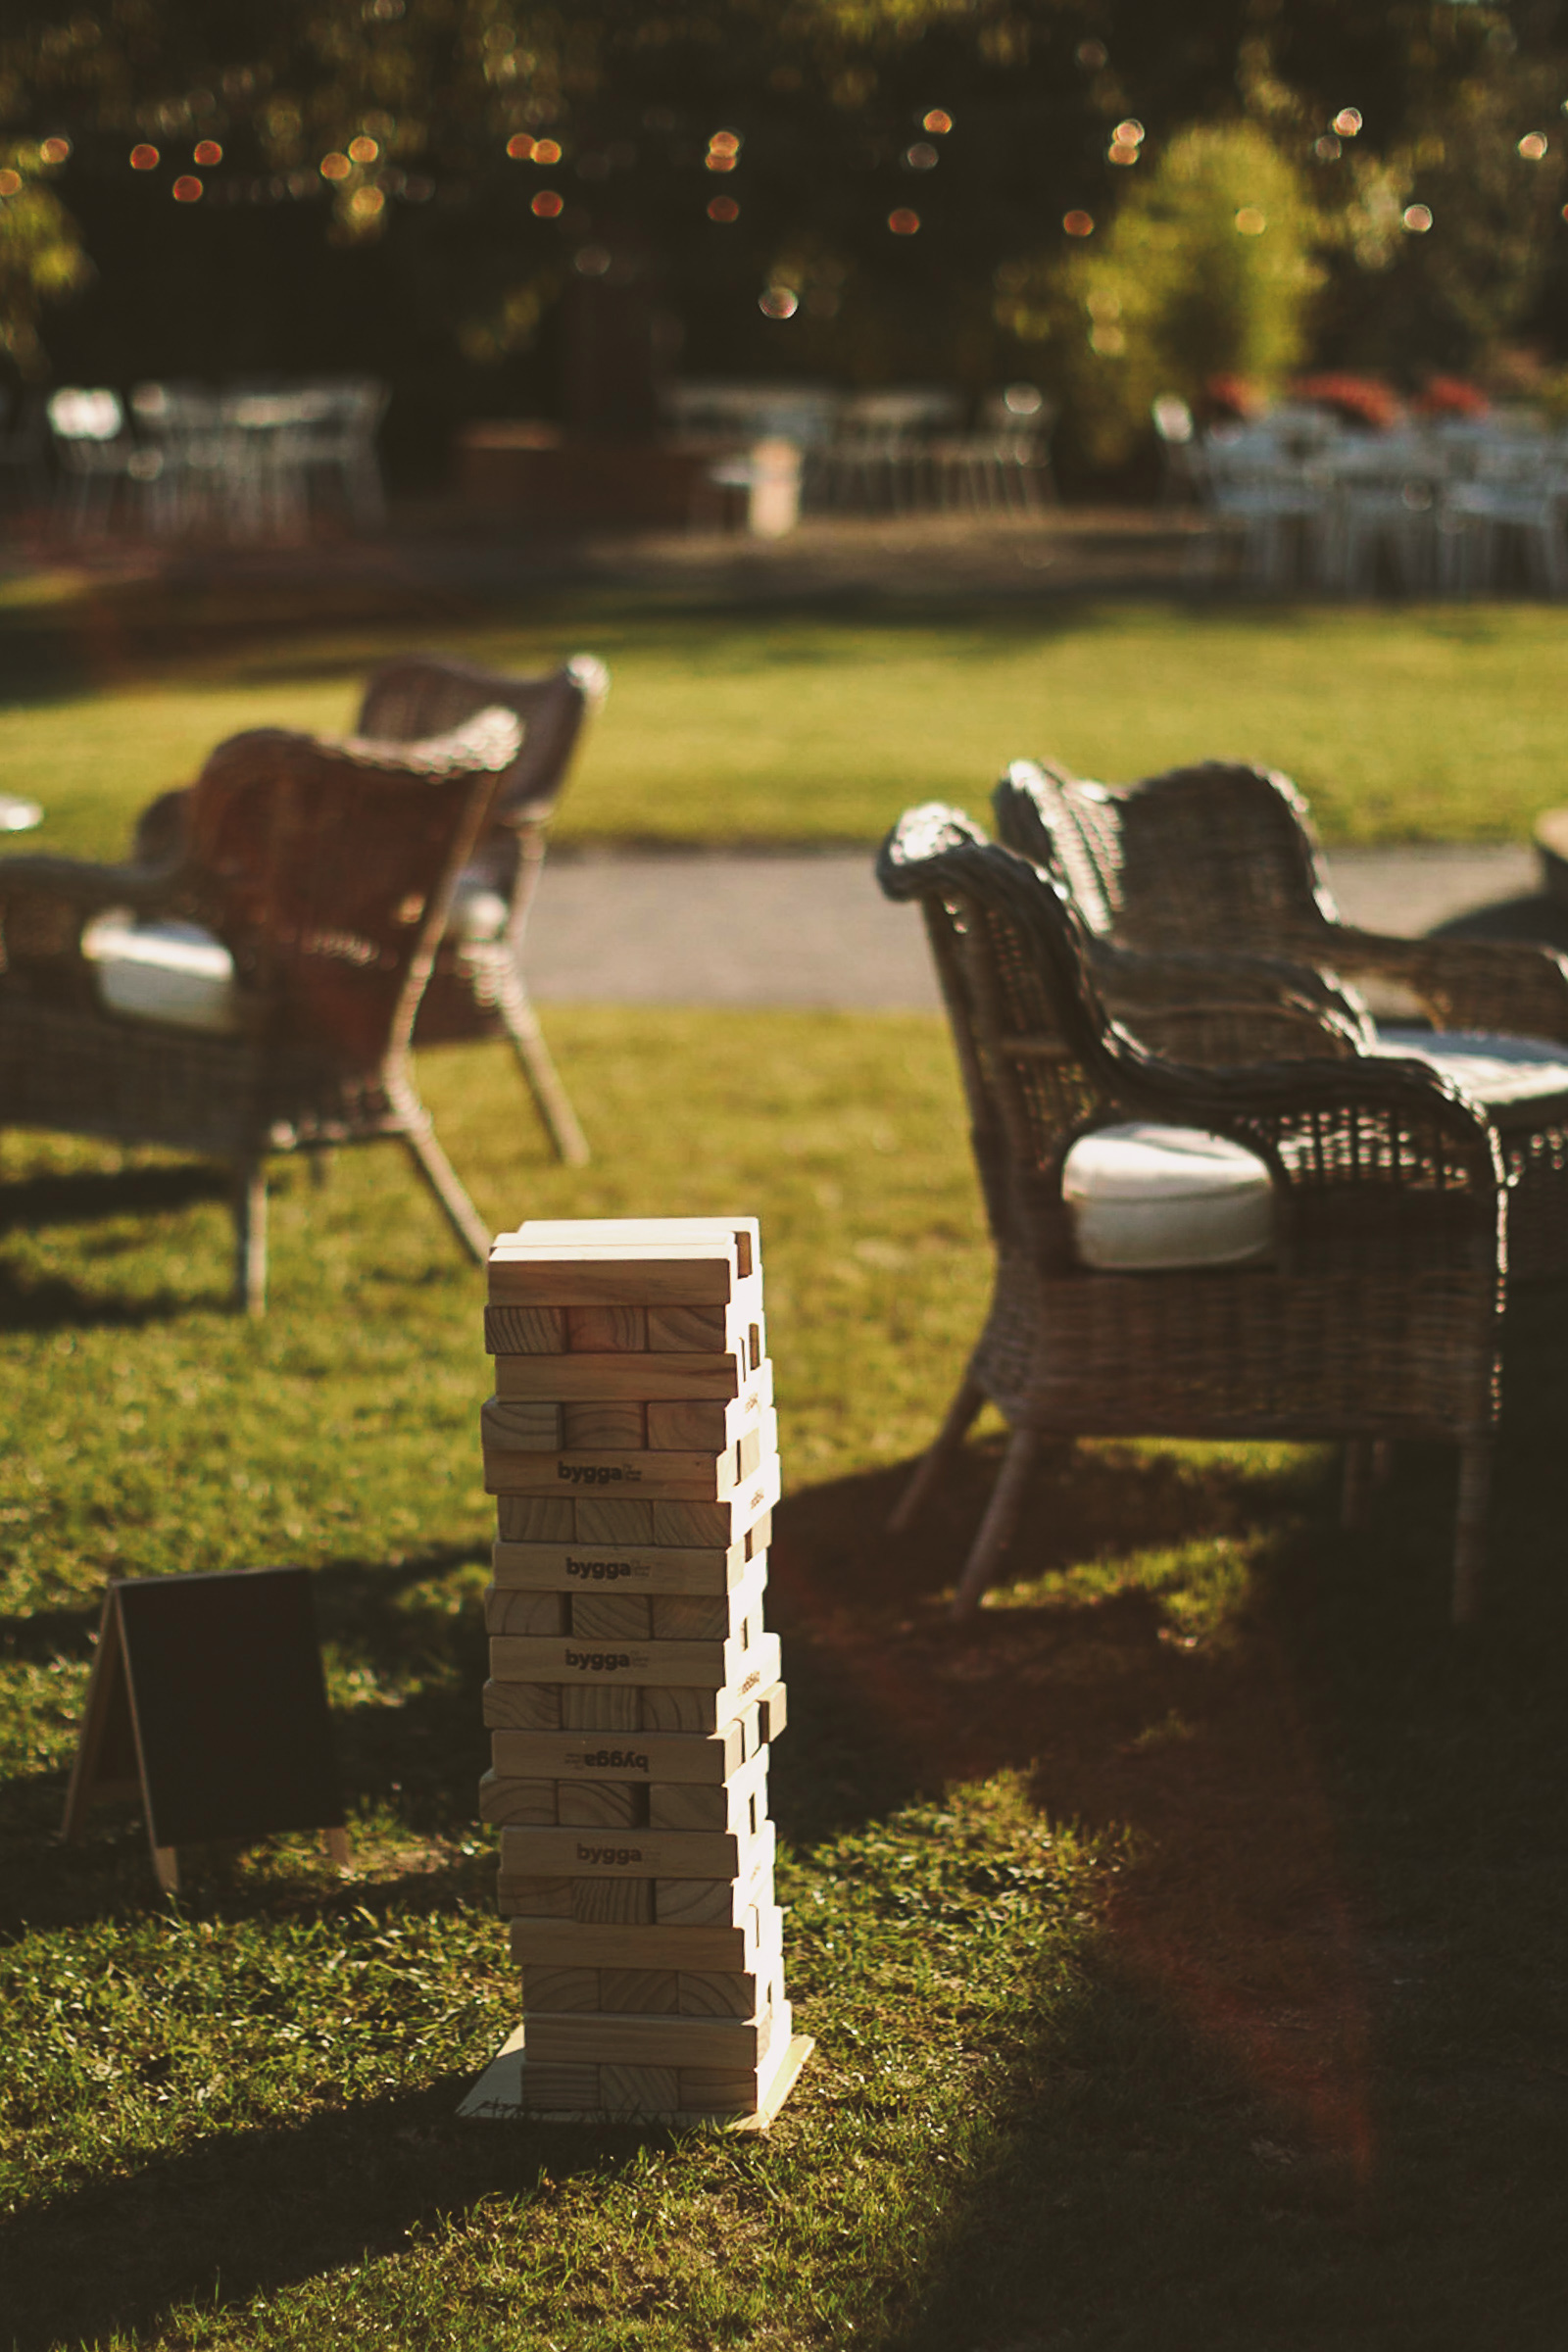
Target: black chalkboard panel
{"points": [[217, 1678]]}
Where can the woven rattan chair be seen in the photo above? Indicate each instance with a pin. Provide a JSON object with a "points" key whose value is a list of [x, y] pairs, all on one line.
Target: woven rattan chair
{"points": [[1373, 1313], [476, 989], [1218, 860], [257, 990]]}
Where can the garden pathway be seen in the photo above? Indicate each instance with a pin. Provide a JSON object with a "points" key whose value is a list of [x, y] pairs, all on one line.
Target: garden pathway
{"points": [[807, 930]]}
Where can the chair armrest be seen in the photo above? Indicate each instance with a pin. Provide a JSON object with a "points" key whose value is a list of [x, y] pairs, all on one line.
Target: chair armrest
{"points": [[149, 889], [1290, 1002], [1509, 986]]}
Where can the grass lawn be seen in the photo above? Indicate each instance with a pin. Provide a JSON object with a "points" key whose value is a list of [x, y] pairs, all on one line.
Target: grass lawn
{"points": [[1182, 1945], [736, 723]]}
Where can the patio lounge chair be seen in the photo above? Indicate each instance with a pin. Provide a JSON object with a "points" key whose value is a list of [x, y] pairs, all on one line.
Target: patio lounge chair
{"points": [[1221, 859], [255, 992], [1308, 1249]]}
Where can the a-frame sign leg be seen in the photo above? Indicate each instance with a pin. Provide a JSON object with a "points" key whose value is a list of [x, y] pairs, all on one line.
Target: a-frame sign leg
{"points": [[106, 1763]]}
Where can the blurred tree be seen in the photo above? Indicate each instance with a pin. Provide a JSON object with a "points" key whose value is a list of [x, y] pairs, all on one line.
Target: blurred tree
{"points": [[41, 257]]}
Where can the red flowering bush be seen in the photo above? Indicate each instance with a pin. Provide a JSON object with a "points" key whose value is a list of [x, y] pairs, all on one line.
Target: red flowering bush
{"points": [[1363, 400], [1231, 399], [1452, 396]]}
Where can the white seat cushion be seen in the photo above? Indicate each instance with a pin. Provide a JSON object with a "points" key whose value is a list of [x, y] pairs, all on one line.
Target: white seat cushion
{"points": [[166, 971], [1496, 1071], [479, 913], [1147, 1199]]}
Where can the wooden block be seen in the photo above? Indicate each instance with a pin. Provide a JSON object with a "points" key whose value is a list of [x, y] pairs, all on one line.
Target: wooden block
{"points": [[707, 1902], [758, 1537], [601, 1708], [525, 1803], [670, 1759], [622, 1567], [637, 1853], [507, 1612], [706, 1616], [674, 1707], [574, 1944], [695, 1425], [748, 2091], [525, 1330], [521, 1707], [513, 1468], [603, 1521], [700, 1275], [643, 1377], [611, 1617], [604, 1424], [640, 1992], [712, 1666], [607, 1331], [639, 2089], [601, 1804], [573, 2089], [708, 2044], [737, 1806], [618, 1902], [715, 1993], [772, 1711], [521, 1425], [529, 1897], [736, 1329], [536, 1519], [561, 1988], [699, 1524], [745, 1233]]}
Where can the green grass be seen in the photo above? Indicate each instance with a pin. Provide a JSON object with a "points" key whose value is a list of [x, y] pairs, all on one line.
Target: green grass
{"points": [[737, 723], [1183, 1945]]}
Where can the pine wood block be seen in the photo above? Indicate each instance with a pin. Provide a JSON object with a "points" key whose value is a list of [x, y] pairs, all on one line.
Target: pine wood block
{"points": [[617, 1567], [534, 1897], [697, 1426], [521, 1425], [527, 1804], [603, 1521], [514, 1467], [611, 1617], [618, 1902], [601, 1804], [600, 1331], [672, 1707], [642, 1377], [575, 1989], [651, 2090], [524, 1612], [634, 1853], [708, 2044], [577, 1944], [728, 1993], [640, 1992], [607, 1276], [737, 1807], [573, 2089], [742, 2090], [712, 1616], [758, 1537], [671, 1759], [772, 1712], [604, 1424], [640, 1233], [698, 1524], [536, 1519], [521, 1707], [714, 1667], [734, 1329], [704, 1902], [525, 1330], [601, 1708]]}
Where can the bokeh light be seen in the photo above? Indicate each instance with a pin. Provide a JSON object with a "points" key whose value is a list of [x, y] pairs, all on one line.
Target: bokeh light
{"points": [[548, 204], [144, 159], [187, 188], [723, 208], [1348, 121], [720, 163], [903, 222], [724, 142], [208, 151], [920, 157], [1249, 222], [547, 151], [363, 150], [1327, 148], [778, 302], [1078, 224], [1417, 218], [1130, 133], [10, 181], [936, 122], [365, 203], [1532, 146], [54, 151], [520, 147], [335, 165], [591, 260]]}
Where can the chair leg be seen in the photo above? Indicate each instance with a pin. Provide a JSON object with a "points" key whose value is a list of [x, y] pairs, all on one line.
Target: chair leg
{"points": [[938, 1454], [542, 1078], [249, 1239], [1357, 1483], [1469, 1538], [998, 1524]]}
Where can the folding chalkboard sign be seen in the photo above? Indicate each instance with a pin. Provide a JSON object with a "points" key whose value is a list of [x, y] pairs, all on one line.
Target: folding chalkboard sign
{"points": [[208, 1700]]}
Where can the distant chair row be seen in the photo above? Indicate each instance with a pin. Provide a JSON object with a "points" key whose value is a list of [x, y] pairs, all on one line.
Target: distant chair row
{"points": [[249, 462], [898, 451]]}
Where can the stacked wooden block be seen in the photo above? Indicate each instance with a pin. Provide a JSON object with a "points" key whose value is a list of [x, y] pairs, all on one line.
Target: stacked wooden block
{"points": [[634, 1692]]}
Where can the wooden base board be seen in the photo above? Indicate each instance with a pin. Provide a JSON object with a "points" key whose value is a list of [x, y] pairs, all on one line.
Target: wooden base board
{"points": [[500, 2094]]}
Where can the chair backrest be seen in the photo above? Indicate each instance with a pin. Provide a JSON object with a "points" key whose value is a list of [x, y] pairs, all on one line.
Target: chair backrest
{"points": [[1197, 856], [329, 869], [1034, 1042], [426, 694]]}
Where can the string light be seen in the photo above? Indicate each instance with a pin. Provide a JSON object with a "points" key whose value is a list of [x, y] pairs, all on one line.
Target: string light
{"points": [[145, 158], [365, 203], [920, 157], [1417, 218], [1249, 222], [778, 302], [548, 204], [10, 183], [187, 189], [363, 150], [208, 151], [1078, 224], [1532, 146], [335, 165], [520, 147], [1348, 121], [546, 151], [723, 208], [903, 222], [54, 151], [936, 122]]}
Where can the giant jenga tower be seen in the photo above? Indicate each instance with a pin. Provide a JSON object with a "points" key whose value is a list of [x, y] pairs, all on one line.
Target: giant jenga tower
{"points": [[633, 1447]]}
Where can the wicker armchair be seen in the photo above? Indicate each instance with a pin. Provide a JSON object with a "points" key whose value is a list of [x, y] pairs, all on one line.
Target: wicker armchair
{"points": [[1221, 860], [266, 974], [476, 989], [1373, 1313]]}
